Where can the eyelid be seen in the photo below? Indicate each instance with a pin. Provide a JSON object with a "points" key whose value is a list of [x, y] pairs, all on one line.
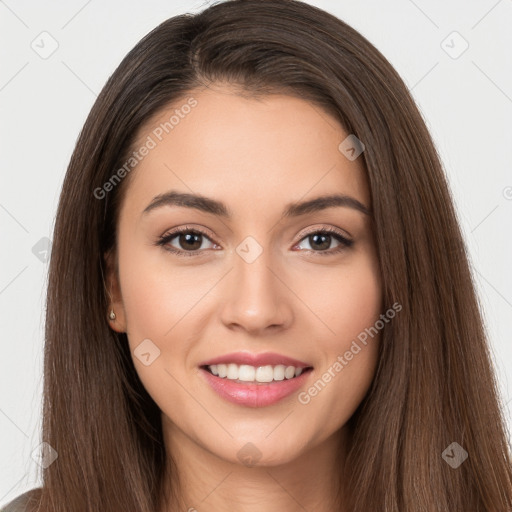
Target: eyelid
{"points": [[327, 229]]}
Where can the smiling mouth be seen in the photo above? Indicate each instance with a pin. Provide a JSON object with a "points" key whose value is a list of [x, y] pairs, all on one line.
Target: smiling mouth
{"points": [[247, 374]]}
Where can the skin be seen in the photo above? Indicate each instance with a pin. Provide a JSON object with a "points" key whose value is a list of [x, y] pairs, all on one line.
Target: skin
{"points": [[256, 156]]}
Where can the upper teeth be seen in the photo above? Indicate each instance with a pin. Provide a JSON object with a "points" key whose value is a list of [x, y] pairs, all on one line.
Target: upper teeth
{"points": [[249, 373]]}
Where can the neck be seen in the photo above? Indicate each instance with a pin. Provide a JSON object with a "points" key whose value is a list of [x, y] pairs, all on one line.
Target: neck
{"points": [[204, 481]]}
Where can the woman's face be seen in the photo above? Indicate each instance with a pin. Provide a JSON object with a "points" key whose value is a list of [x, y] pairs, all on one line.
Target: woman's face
{"points": [[253, 275]]}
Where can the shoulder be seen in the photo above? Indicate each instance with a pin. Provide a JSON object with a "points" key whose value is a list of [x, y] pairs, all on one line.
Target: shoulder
{"points": [[23, 503]]}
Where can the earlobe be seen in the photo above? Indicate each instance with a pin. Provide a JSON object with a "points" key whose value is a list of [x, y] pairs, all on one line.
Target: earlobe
{"points": [[115, 314]]}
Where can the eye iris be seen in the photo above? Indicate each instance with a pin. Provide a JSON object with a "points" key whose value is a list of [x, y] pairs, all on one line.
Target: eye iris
{"points": [[191, 240], [323, 245]]}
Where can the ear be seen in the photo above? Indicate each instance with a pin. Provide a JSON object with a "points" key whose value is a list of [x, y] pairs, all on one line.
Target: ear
{"points": [[113, 289]]}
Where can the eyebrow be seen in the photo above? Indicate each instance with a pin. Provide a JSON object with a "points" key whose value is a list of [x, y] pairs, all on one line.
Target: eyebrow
{"points": [[215, 207]]}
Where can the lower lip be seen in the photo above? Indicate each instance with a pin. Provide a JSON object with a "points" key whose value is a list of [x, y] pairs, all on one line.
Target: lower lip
{"points": [[254, 395]]}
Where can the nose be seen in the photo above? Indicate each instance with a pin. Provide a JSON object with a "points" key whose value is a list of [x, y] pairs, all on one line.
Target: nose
{"points": [[257, 300]]}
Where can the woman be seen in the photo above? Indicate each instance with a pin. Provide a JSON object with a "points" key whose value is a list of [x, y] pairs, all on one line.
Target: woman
{"points": [[259, 297]]}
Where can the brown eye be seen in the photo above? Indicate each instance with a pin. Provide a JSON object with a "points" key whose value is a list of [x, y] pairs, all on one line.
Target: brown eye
{"points": [[320, 241], [189, 241]]}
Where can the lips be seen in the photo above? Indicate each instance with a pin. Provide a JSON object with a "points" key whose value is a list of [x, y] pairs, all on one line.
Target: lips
{"points": [[267, 358], [255, 394]]}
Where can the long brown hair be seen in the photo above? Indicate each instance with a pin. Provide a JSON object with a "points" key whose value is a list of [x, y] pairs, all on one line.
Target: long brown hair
{"points": [[434, 384]]}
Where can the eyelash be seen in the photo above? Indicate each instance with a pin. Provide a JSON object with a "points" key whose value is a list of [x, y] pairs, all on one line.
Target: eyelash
{"points": [[165, 239]]}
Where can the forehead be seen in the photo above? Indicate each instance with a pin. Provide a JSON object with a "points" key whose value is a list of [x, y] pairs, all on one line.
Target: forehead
{"points": [[246, 151]]}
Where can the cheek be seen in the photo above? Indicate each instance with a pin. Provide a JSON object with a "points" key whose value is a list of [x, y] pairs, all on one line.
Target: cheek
{"points": [[158, 303], [346, 300], [156, 293], [353, 306], [349, 305]]}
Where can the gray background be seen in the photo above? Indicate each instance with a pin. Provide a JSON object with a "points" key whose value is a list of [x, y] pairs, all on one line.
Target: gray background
{"points": [[465, 97]]}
